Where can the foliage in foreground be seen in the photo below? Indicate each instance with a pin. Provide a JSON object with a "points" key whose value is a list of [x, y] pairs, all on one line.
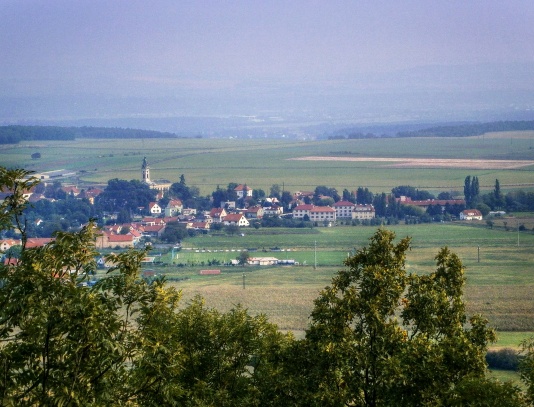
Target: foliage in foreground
{"points": [[378, 335]]}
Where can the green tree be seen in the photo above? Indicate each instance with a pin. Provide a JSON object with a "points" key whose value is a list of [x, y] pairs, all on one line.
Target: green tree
{"points": [[243, 257], [526, 367], [386, 337], [121, 342], [174, 232], [180, 190], [121, 194], [275, 191], [498, 196], [467, 190], [231, 229], [16, 182]]}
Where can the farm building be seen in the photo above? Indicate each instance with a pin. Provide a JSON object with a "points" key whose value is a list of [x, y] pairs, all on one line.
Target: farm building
{"points": [[262, 261], [471, 214]]}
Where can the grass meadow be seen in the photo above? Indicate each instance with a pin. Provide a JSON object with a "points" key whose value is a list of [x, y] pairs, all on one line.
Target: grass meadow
{"points": [[500, 274]]}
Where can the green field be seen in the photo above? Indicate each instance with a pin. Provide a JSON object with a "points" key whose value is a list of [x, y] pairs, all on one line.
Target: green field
{"points": [[261, 163], [500, 286]]}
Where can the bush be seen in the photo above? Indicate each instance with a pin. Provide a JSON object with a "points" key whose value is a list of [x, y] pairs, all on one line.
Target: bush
{"points": [[505, 359]]}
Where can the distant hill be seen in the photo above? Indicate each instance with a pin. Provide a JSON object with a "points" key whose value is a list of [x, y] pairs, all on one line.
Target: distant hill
{"points": [[15, 134]]}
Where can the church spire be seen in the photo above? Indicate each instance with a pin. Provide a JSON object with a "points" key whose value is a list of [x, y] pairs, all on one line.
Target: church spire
{"points": [[145, 172]]}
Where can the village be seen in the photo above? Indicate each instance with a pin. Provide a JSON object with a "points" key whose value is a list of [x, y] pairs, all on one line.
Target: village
{"points": [[150, 224]]}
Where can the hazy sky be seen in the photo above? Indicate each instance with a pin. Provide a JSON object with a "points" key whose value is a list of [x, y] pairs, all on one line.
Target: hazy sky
{"points": [[135, 47]]}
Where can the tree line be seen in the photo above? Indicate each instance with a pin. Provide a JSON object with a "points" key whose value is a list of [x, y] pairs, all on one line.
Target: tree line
{"points": [[469, 129], [14, 134], [378, 335]]}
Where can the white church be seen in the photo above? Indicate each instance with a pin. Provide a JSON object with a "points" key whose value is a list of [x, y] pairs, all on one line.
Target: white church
{"points": [[160, 185]]}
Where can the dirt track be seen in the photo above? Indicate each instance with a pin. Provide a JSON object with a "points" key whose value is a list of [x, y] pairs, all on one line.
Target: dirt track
{"points": [[428, 162]]}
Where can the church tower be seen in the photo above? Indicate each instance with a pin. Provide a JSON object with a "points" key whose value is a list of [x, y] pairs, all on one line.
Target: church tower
{"points": [[145, 172]]}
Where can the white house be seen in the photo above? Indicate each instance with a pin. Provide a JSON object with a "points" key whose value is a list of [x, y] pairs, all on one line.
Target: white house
{"points": [[218, 214], [300, 211], [363, 212], [243, 191], [236, 219], [343, 209], [174, 207], [322, 213], [154, 208], [471, 214], [273, 210]]}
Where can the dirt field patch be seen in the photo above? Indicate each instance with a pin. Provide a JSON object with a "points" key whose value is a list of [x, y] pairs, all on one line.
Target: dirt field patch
{"points": [[428, 162]]}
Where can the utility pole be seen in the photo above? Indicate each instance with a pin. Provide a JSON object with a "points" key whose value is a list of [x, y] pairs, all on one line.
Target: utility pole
{"points": [[243, 280], [315, 256], [517, 221]]}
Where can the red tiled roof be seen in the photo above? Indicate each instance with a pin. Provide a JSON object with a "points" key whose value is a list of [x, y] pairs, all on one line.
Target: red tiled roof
{"points": [[233, 217], [343, 203], [38, 241], [154, 228], [472, 212], [305, 207], [241, 187], [120, 238], [323, 209]]}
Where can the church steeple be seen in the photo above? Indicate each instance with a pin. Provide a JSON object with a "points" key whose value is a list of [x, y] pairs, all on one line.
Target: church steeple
{"points": [[145, 171]]}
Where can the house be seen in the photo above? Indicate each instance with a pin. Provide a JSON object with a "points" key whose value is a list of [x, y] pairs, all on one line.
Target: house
{"points": [[322, 213], [154, 231], [202, 226], [243, 191], [189, 211], [136, 236], [154, 208], [236, 219], [362, 212], [150, 221], [7, 243], [230, 205], [218, 214], [169, 219], [343, 209], [301, 211], [91, 194], [107, 240], [71, 190], [174, 207], [37, 197], [471, 214], [274, 210], [254, 212]]}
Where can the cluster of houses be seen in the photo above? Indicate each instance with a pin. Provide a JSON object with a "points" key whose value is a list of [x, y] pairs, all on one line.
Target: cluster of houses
{"points": [[128, 235]]}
